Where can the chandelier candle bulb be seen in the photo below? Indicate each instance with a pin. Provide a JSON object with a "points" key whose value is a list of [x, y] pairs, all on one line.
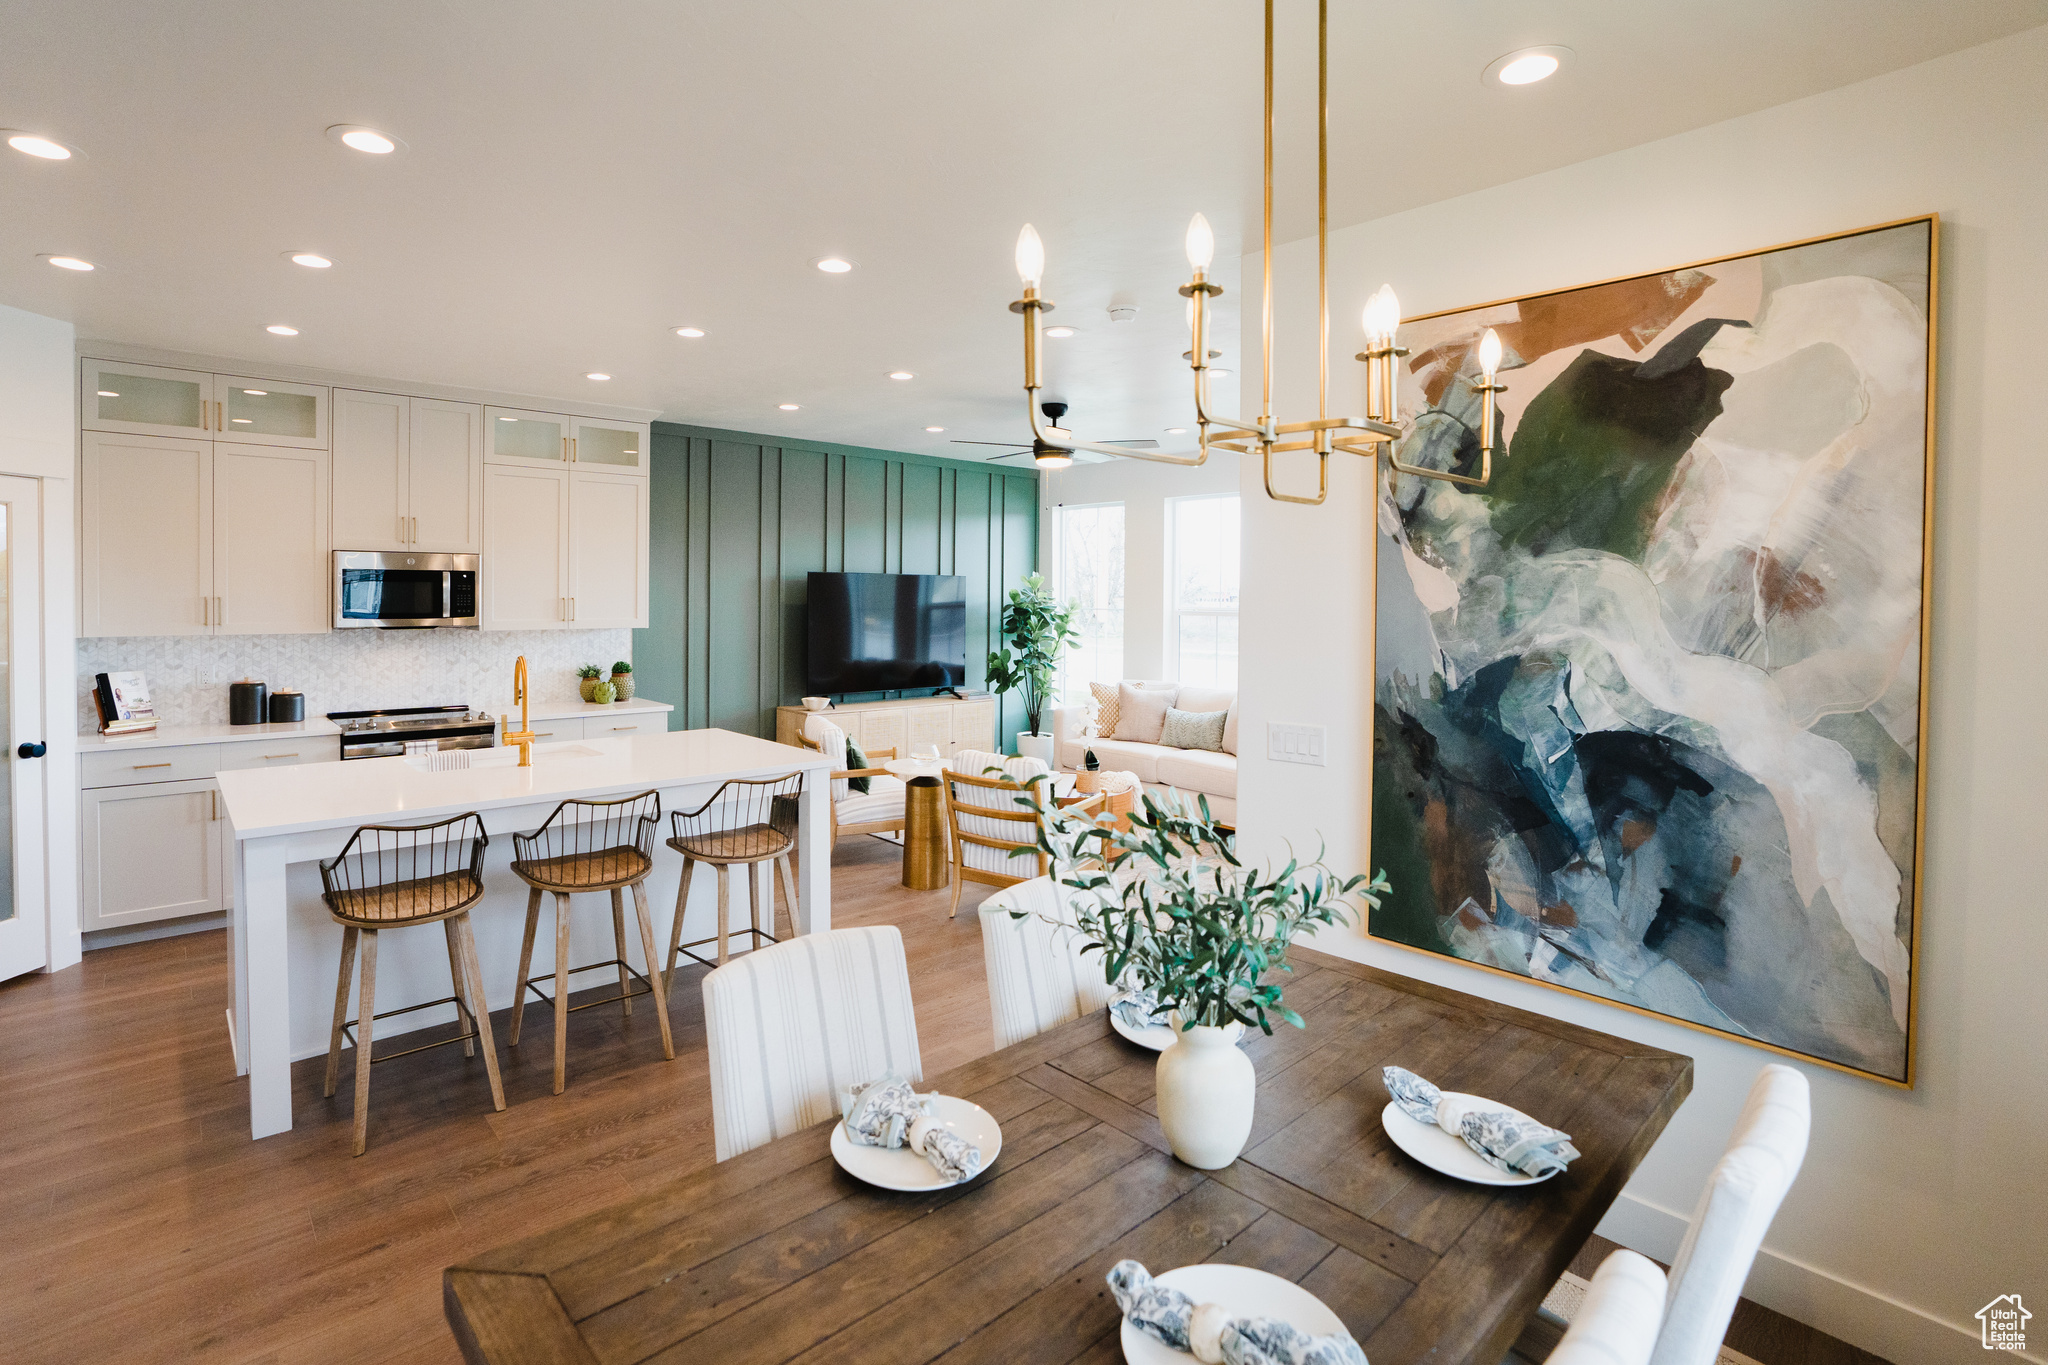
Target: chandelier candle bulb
{"points": [[1030, 257], [1489, 354], [1201, 245]]}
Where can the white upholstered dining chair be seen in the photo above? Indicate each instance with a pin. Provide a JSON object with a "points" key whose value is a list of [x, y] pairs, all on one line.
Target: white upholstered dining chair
{"points": [[1037, 974], [1735, 1210], [1617, 1323], [792, 1025]]}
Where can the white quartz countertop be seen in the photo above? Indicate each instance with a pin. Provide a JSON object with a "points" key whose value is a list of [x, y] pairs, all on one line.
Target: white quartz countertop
{"points": [[223, 733], [319, 796], [319, 726]]}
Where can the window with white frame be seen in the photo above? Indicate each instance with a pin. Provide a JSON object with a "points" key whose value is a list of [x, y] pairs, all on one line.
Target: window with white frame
{"points": [[1089, 552], [1202, 590]]}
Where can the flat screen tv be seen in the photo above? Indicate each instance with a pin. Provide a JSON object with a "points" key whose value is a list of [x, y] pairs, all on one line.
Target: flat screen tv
{"points": [[886, 632]]}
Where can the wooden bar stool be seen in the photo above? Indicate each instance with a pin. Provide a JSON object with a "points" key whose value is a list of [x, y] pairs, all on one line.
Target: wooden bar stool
{"points": [[750, 820], [387, 877], [589, 846]]}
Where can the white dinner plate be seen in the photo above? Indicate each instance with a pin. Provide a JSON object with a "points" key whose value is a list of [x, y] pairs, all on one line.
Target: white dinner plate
{"points": [[1158, 1037], [900, 1168], [1439, 1151], [1244, 1293]]}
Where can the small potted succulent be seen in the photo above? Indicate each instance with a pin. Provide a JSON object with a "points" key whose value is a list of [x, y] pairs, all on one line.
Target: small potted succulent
{"points": [[590, 678], [604, 693], [622, 681], [1202, 940]]}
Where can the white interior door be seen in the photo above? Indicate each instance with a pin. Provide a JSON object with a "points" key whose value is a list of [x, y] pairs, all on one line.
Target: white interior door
{"points": [[24, 921]]}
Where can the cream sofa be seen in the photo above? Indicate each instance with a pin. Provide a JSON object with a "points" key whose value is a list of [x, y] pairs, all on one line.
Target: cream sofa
{"points": [[1192, 771]]}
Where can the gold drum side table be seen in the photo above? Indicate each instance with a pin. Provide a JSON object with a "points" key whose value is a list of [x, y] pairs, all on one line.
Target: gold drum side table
{"points": [[925, 867]]}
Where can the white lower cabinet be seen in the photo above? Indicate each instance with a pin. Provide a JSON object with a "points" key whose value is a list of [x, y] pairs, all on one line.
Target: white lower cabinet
{"points": [[151, 851], [154, 842]]}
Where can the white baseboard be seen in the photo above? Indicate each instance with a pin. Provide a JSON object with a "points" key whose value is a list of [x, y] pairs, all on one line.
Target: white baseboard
{"points": [[1848, 1312]]}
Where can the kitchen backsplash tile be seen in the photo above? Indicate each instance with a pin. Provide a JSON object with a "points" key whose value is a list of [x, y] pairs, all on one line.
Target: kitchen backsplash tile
{"points": [[347, 670]]}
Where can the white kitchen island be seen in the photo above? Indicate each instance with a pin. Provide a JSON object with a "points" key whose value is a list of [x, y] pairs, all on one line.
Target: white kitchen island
{"points": [[287, 950]]}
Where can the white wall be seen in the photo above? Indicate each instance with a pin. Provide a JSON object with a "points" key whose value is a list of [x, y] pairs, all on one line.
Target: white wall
{"points": [[1916, 1208], [39, 439], [1143, 489]]}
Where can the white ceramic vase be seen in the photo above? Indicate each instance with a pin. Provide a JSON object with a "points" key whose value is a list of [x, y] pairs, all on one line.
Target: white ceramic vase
{"points": [[1038, 746], [1205, 1087]]}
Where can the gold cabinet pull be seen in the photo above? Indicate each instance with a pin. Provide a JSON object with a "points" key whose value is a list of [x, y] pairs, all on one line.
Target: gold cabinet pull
{"points": [[565, 450], [140, 766], [625, 727], [415, 530], [215, 794], [206, 611], [572, 450], [293, 754]]}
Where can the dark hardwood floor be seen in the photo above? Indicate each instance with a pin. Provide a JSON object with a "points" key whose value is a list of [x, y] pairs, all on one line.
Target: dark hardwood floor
{"points": [[141, 1224]]}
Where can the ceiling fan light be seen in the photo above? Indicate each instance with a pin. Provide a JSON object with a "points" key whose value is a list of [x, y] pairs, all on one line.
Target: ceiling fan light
{"points": [[1052, 459]]}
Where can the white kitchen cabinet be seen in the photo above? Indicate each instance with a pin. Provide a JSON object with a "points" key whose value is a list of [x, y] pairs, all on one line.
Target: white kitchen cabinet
{"points": [[408, 473], [152, 400], [150, 851], [617, 447], [185, 537], [608, 550], [516, 436], [526, 548], [146, 537], [270, 546]]}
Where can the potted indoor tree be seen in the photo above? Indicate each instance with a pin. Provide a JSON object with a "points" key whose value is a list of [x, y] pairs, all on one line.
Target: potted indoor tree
{"points": [[1201, 939], [1037, 628]]}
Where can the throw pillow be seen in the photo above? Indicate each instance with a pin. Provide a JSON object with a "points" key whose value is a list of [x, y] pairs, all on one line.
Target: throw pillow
{"points": [[1230, 730], [1140, 712], [1193, 729], [856, 760], [1105, 708]]}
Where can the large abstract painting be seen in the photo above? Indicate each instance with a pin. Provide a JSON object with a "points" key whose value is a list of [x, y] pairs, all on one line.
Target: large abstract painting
{"points": [[1649, 704]]}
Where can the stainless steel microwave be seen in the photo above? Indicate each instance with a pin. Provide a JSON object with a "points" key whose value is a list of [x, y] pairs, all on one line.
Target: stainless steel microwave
{"points": [[404, 590]]}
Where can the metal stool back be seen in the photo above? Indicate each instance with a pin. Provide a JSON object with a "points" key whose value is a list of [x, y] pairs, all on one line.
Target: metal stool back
{"points": [[750, 820], [589, 846], [387, 877]]}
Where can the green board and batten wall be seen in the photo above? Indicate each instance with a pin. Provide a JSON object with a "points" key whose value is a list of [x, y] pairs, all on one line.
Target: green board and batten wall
{"points": [[740, 519]]}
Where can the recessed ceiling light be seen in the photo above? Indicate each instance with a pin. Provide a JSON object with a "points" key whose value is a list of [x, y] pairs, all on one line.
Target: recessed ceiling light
{"points": [[600, 378], [40, 147], [934, 428], [108, 393], [508, 419], [241, 419], [833, 265], [1059, 331], [1525, 66], [361, 139], [257, 393], [308, 259], [279, 329], [689, 331], [1176, 431], [1220, 374], [901, 374], [69, 262], [787, 407]]}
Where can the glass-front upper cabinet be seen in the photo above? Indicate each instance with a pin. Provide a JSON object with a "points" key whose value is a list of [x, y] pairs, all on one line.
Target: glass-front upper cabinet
{"points": [[516, 436], [267, 412], [144, 400], [149, 400], [620, 447]]}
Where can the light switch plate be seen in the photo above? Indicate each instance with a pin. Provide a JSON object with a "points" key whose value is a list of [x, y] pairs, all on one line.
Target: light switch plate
{"points": [[1296, 743]]}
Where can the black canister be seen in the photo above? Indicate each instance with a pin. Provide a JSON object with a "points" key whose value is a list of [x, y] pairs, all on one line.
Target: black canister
{"points": [[245, 702], [287, 704]]}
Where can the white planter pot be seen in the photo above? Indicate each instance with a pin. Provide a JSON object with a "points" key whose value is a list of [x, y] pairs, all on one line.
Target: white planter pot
{"points": [[1038, 746], [1205, 1088]]}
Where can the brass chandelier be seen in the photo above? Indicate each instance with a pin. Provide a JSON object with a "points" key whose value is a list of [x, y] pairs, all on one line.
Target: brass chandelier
{"points": [[1368, 436]]}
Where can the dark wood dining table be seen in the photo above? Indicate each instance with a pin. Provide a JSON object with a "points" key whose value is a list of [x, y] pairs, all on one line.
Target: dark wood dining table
{"points": [[778, 1255]]}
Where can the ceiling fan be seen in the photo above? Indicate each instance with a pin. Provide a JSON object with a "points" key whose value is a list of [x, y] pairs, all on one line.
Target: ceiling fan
{"points": [[1047, 456]]}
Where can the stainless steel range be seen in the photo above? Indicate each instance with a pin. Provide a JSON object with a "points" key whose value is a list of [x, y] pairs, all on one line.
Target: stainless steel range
{"points": [[382, 734]]}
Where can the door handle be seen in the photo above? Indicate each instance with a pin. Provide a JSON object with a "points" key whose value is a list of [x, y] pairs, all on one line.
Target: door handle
{"points": [[140, 766], [206, 611], [33, 749], [415, 530], [572, 450], [565, 450], [293, 754], [215, 794], [401, 530]]}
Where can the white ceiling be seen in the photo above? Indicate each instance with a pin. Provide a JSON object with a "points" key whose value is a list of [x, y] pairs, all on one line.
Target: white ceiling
{"points": [[581, 179]]}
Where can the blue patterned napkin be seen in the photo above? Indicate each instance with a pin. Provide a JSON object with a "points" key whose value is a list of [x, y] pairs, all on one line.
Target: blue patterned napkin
{"points": [[888, 1113], [1503, 1138], [1140, 1010], [1207, 1332]]}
